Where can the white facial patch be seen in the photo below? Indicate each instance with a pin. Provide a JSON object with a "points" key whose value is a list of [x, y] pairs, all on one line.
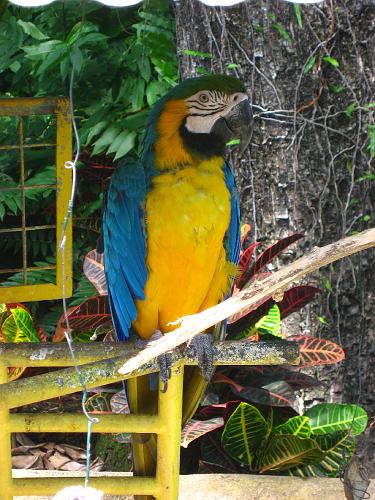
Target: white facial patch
{"points": [[207, 106]]}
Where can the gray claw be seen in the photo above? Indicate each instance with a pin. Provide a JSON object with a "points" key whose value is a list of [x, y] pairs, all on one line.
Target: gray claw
{"points": [[164, 360], [203, 345], [165, 367]]}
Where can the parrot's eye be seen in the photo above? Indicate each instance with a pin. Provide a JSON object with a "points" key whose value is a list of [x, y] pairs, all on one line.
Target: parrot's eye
{"points": [[204, 98]]}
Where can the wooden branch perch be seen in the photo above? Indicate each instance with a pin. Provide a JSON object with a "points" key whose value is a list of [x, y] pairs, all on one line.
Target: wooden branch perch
{"points": [[191, 326]]}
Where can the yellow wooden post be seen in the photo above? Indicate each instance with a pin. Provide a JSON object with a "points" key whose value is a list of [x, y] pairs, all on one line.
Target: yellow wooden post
{"points": [[5, 446], [168, 448]]}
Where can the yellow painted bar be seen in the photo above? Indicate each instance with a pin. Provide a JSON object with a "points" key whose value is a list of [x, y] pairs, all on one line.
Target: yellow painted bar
{"points": [[168, 447], [5, 446], [64, 186], [76, 422], [28, 106], [58, 354], [58, 106], [127, 485], [30, 293]]}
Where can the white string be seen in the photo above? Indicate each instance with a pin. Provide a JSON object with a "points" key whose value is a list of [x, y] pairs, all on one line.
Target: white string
{"points": [[71, 165]]}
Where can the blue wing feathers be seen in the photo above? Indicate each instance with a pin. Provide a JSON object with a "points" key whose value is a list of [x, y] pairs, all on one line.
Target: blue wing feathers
{"points": [[125, 243], [232, 239]]}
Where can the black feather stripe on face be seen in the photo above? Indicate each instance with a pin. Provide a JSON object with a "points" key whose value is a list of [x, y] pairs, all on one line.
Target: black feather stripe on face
{"points": [[203, 145]]}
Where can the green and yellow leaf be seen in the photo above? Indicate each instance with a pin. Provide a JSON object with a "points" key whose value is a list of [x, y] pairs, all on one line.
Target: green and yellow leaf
{"points": [[331, 417], [286, 451], [244, 432], [295, 426], [339, 448]]}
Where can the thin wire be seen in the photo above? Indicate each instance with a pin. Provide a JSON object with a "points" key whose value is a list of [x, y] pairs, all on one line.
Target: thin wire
{"points": [[62, 247]]}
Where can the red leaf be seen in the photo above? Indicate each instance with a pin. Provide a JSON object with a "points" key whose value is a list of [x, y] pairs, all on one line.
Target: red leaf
{"points": [[266, 257], [59, 334], [220, 410], [277, 393], [253, 338], [260, 376], [119, 404], [90, 314], [295, 298], [15, 372], [42, 335], [13, 305], [245, 261], [314, 351], [220, 378], [99, 403], [93, 267]]}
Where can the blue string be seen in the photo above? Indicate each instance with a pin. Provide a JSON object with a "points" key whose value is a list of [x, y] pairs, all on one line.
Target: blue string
{"points": [[72, 166]]}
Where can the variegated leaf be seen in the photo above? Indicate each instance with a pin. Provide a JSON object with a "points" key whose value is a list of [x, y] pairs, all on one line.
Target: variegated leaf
{"points": [[315, 351], [194, 429]]}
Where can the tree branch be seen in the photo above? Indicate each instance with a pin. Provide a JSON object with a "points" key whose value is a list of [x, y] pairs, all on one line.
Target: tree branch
{"points": [[191, 326]]}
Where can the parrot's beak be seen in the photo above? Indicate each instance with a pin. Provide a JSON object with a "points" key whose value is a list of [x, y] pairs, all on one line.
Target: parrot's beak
{"points": [[236, 124], [240, 121]]}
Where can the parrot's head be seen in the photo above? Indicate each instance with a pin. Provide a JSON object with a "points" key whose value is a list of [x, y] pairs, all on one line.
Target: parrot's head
{"points": [[198, 117]]}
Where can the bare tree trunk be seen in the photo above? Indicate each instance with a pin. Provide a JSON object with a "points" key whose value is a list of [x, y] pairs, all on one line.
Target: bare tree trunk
{"points": [[311, 77]]}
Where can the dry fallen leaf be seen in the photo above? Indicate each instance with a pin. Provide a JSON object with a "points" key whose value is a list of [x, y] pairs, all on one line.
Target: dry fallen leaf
{"points": [[50, 456]]}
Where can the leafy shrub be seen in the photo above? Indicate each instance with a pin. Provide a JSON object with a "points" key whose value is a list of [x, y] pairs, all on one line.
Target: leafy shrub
{"points": [[125, 59]]}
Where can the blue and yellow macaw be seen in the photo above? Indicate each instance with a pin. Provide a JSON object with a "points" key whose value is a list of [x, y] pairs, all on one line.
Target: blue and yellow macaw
{"points": [[171, 223]]}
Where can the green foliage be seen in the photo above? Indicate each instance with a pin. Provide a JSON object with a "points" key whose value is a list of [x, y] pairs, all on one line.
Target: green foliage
{"points": [[332, 61], [295, 426], [18, 326], [196, 53], [279, 27], [270, 323], [284, 452], [350, 109], [244, 432], [336, 89], [371, 145], [309, 65], [125, 59], [315, 444], [367, 176], [331, 417], [298, 13], [338, 448]]}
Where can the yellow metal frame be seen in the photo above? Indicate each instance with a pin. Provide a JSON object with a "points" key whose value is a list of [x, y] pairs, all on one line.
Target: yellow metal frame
{"points": [[58, 106], [166, 424], [100, 364]]}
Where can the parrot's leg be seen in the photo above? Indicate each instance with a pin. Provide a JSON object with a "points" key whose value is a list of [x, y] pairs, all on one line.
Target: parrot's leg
{"points": [[203, 345], [164, 360]]}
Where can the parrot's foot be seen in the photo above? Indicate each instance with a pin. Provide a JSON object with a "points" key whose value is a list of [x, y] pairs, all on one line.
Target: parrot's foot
{"points": [[164, 360], [203, 345]]}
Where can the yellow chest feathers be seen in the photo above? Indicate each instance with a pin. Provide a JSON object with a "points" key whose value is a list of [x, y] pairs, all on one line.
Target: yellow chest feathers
{"points": [[190, 205]]}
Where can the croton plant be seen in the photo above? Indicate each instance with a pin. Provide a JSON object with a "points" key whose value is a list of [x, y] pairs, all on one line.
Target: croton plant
{"points": [[249, 419]]}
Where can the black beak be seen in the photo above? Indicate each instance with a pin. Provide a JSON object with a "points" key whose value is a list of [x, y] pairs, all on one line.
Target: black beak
{"points": [[240, 121], [236, 125]]}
